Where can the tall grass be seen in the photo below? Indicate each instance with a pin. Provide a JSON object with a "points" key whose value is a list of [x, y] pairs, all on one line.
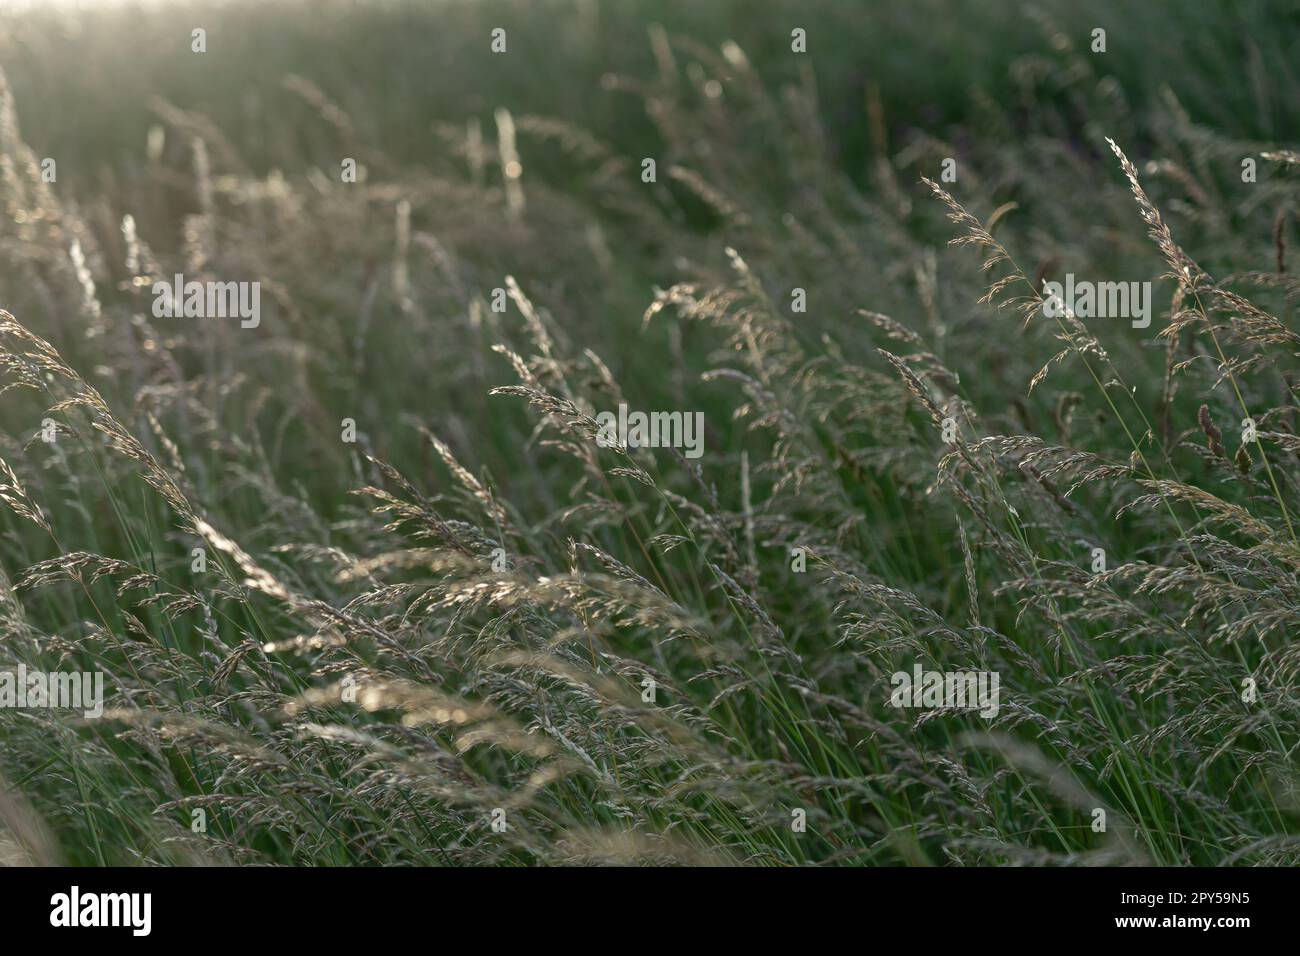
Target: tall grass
{"points": [[478, 614]]}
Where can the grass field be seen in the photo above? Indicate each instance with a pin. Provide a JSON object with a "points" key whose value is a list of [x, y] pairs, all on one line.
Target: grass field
{"points": [[366, 579]]}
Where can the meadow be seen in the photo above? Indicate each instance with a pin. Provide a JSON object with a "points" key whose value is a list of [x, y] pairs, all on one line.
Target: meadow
{"points": [[369, 582]]}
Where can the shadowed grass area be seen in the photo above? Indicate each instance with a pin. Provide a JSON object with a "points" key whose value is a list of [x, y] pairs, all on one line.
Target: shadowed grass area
{"points": [[369, 586]]}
